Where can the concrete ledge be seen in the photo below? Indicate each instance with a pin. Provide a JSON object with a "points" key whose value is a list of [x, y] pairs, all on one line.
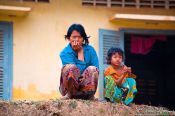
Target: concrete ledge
{"points": [[144, 17], [14, 10]]}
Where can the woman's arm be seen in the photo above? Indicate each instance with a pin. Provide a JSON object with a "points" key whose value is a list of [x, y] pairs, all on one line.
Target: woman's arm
{"points": [[94, 58], [67, 58]]}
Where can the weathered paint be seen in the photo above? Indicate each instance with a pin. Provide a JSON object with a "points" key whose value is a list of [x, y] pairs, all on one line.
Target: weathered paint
{"points": [[39, 37], [32, 93]]}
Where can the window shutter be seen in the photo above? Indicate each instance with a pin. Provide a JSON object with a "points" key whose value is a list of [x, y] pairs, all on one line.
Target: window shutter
{"points": [[47, 1], [164, 4], [5, 60], [107, 39], [1, 64]]}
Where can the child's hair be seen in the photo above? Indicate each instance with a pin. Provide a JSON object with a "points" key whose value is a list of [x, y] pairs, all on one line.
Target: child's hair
{"points": [[112, 51], [80, 29]]}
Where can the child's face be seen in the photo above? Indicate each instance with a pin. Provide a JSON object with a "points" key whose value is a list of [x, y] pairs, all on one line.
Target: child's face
{"points": [[116, 59]]}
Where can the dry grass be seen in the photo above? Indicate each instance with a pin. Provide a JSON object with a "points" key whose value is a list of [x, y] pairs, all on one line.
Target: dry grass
{"points": [[77, 108]]}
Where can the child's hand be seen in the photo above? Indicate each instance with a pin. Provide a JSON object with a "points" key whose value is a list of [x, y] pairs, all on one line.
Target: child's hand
{"points": [[127, 69]]}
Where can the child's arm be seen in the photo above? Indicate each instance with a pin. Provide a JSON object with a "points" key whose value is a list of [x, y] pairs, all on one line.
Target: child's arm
{"points": [[124, 74], [129, 72], [120, 80]]}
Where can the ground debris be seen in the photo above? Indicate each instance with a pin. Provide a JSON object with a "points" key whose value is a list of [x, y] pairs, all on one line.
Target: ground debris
{"points": [[77, 108]]}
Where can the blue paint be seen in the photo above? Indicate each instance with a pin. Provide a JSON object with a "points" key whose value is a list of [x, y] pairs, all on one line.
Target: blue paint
{"points": [[7, 29], [112, 35]]}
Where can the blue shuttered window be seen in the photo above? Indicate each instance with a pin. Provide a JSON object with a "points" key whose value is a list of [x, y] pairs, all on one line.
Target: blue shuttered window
{"points": [[107, 39], [1, 64], [5, 60]]}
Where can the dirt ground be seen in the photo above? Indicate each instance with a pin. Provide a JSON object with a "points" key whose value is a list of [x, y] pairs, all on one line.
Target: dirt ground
{"points": [[77, 108]]}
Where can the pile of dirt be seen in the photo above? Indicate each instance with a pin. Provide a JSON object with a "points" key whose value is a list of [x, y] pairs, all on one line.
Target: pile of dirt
{"points": [[76, 108]]}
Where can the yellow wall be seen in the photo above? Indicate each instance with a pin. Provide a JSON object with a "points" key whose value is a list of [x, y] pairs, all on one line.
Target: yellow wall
{"points": [[38, 39]]}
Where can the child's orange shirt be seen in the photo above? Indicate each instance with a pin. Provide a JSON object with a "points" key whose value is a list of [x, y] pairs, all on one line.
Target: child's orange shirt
{"points": [[110, 71]]}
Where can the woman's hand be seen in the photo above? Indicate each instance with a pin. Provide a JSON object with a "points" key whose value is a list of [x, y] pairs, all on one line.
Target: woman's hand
{"points": [[77, 46]]}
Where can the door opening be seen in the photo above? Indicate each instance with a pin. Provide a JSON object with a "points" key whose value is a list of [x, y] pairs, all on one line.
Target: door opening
{"points": [[154, 65]]}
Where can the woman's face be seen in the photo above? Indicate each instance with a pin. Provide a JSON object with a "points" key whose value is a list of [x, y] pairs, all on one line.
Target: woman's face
{"points": [[116, 60], [76, 40]]}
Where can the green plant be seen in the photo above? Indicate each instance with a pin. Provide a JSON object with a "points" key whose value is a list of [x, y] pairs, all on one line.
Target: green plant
{"points": [[73, 104]]}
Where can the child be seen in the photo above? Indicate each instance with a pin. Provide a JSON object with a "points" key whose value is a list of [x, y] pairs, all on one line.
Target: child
{"points": [[120, 85]]}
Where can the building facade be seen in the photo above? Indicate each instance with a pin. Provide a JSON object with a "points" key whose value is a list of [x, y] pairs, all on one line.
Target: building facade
{"points": [[32, 36]]}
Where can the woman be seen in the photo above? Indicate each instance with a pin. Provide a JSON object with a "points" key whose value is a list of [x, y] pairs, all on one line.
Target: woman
{"points": [[79, 74]]}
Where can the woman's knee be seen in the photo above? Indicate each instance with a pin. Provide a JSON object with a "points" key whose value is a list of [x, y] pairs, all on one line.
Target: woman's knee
{"points": [[70, 70], [69, 66], [92, 69]]}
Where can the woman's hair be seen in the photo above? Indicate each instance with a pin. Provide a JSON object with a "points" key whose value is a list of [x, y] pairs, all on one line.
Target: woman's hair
{"points": [[79, 28], [112, 51]]}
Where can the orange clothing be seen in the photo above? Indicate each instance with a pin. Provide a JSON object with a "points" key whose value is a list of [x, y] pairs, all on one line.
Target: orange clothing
{"points": [[116, 74]]}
